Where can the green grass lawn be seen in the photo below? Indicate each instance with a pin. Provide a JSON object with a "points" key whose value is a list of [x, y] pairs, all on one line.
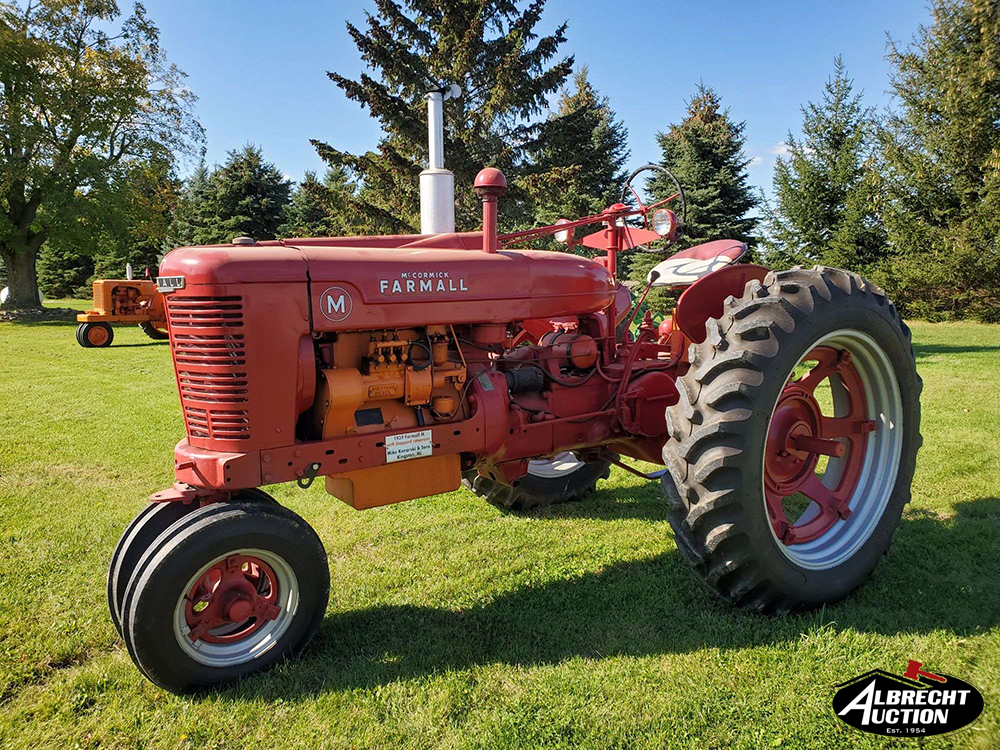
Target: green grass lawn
{"points": [[451, 625]]}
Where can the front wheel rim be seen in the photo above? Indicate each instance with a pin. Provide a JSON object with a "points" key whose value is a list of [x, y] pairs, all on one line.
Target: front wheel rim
{"points": [[857, 485], [236, 608]]}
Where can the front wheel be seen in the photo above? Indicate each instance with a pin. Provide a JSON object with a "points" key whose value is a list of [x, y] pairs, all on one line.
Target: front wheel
{"points": [[94, 335], [793, 445], [229, 590]]}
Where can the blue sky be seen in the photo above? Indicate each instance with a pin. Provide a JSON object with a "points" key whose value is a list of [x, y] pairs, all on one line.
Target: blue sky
{"points": [[259, 67]]}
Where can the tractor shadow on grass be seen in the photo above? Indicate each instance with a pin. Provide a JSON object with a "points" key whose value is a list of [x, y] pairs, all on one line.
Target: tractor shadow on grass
{"points": [[941, 574]]}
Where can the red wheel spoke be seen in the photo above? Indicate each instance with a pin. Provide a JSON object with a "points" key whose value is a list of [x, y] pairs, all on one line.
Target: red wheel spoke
{"points": [[233, 592], [823, 496], [774, 508]]}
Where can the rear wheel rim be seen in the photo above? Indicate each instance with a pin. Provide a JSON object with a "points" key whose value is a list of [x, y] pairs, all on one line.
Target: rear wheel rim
{"points": [[560, 465], [236, 608], [848, 499]]}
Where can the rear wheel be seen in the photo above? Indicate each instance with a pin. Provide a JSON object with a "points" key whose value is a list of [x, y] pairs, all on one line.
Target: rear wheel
{"points": [[229, 590], [157, 334], [560, 479], [95, 335], [793, 445]]}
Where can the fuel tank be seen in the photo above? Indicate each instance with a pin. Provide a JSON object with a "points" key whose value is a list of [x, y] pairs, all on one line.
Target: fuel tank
{"points": [[352, 288]]}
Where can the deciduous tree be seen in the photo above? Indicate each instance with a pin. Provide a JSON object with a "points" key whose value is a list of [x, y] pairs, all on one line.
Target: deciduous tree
{"points": [[77, 100]]}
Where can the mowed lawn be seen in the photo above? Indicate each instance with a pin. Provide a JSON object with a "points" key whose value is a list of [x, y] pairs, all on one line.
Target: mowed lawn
{"points": [[452, 625]]}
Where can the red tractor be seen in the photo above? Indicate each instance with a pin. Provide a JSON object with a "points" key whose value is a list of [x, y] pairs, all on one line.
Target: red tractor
{"points": [[783, 405]]}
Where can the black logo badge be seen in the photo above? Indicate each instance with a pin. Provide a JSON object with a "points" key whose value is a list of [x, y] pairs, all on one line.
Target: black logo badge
{"points": [[916, 704]]}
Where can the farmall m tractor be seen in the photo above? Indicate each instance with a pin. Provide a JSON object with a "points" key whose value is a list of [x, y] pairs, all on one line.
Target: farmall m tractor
{"points": [[783, 405]]}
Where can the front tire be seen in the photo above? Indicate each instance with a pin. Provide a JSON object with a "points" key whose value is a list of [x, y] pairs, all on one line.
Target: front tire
{"points": [[229, 590], [751, 440], [95, 335]]}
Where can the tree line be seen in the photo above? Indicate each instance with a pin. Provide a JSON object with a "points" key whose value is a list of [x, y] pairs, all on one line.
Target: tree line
{"points": [[908, 196]]}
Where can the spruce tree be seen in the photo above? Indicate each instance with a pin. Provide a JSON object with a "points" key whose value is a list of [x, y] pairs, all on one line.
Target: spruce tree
{"points": [[824, 208], [195, 210], [319, 209], [248, 196], [941, 165], [507, 71], [578, 162], [705, 153]]}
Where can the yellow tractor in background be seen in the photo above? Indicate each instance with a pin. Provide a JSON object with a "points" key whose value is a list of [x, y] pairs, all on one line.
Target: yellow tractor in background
{"points": [[122, 301]]}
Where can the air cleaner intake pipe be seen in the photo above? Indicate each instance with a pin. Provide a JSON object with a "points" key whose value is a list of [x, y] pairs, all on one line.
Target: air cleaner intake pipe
{"points": [[437, 184], [490, 185]]}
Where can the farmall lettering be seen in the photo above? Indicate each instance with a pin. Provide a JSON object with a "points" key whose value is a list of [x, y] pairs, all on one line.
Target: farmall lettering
{"points": [[422, 282], [336, 304]]}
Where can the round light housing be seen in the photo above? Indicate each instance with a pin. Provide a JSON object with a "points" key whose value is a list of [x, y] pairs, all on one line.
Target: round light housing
{"points": [[563, 235], [664, 222]]}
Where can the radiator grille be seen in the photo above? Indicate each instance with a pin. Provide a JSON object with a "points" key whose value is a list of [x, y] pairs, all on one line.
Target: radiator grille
{"points": [[210, 358]]}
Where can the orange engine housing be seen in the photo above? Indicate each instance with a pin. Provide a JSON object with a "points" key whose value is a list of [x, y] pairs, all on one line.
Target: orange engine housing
{"points": [[125, 301]]}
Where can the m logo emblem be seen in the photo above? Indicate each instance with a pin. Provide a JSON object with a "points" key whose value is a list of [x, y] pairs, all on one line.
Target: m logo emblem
{"points": [[335, 304]]}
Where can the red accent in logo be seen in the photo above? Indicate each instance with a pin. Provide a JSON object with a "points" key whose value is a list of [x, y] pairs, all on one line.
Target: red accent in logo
{"points": [[913, 672]]}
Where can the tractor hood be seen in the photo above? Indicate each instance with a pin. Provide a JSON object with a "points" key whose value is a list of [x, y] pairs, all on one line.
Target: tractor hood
{"points": [[370, 285]]}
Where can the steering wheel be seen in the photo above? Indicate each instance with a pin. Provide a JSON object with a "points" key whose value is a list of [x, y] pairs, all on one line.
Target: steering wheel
{"points": [[627, 188]]}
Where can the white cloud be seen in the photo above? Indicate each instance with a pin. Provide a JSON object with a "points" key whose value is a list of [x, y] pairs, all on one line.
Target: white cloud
{"points": [[780, 149], [756, 161]]}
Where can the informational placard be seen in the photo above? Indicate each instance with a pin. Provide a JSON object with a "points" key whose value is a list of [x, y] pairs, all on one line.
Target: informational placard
{"points": [[408, 445]]}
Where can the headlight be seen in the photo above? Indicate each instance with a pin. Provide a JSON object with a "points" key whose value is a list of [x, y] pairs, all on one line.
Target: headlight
{"points": [[664, 222], [563, 234]]}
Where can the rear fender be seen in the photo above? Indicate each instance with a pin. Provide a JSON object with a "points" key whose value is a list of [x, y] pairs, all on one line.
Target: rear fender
{"points": [[704, 299]]}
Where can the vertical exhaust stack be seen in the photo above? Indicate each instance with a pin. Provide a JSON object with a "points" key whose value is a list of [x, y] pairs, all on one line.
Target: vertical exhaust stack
{"points": [[437, 184]]}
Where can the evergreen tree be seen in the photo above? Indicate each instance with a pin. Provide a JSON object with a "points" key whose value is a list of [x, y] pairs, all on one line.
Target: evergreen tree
{"points": [[824, 192], [942, 165], [705, 153], [64, 271], [491, 48], [318, 209], [247, 196], [577, 163], [195, 210]]}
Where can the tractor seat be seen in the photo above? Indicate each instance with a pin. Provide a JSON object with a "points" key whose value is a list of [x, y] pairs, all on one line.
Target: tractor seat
{"points": [[687, 266]]}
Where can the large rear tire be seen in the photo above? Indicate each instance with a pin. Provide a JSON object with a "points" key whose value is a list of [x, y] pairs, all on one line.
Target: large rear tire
{"points": [[786, 482], [561, 479]]}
